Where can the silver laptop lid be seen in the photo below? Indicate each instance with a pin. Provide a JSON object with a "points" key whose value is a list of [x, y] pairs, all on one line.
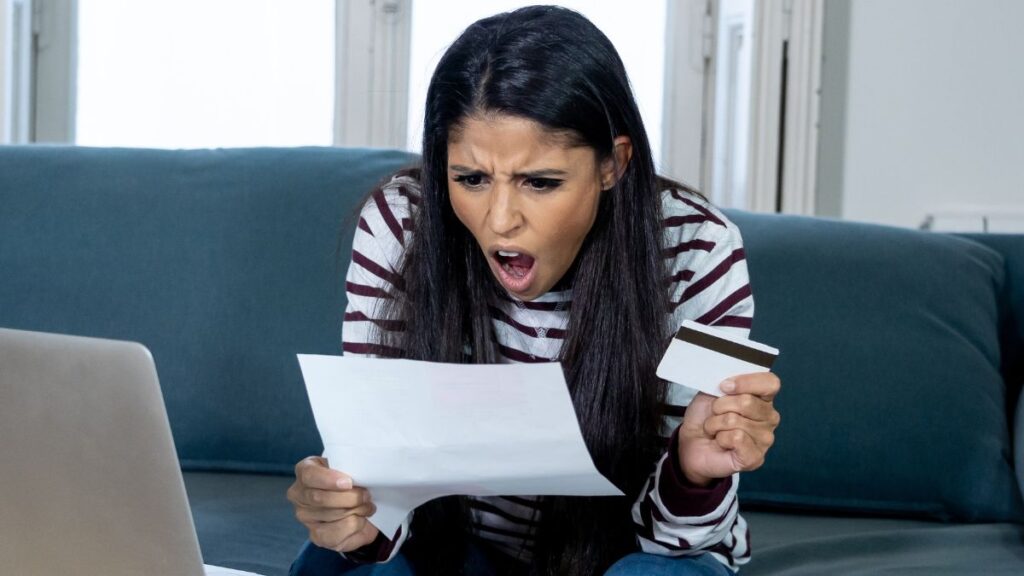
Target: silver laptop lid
{"points": [[89, 477]]}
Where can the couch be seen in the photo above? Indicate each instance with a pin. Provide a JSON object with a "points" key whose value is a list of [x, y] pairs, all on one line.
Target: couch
{"points": [[901, 448]]}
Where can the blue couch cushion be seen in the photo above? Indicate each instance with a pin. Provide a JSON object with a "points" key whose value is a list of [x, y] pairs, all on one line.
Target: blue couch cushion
{"points": [[813, 545], [225, 263], [892, 400], [1011, 246]]}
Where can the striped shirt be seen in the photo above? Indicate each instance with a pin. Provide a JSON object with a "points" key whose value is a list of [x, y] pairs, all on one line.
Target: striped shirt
{"points": [[708, 283]]}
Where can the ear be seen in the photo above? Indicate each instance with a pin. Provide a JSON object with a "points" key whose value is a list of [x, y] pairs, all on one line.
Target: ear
{"points": [[613, 168]]}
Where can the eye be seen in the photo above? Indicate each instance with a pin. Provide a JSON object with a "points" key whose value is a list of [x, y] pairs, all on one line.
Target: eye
{"points": [[542, 184], [470, 181]]}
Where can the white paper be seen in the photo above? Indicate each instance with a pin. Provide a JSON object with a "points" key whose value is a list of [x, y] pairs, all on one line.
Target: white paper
{"points": [[702, 369], [413, 431]]}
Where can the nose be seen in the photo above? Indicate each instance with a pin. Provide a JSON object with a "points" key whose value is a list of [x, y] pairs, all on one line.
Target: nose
{"points": [[504, 217]]}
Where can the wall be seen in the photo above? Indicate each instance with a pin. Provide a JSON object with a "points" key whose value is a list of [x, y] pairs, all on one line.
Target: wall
{"points": [[5, 70], [933, 118]]}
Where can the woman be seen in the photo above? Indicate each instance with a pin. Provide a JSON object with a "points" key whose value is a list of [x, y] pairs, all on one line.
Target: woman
{"points": [[537, 230]]}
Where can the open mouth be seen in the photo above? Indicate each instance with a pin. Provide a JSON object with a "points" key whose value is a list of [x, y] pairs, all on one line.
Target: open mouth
{"points": [[514, 269], [516, 264]]}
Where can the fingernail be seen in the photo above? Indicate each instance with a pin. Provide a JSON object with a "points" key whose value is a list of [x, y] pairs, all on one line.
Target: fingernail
{"points": [[345, 483], [727, 386]]}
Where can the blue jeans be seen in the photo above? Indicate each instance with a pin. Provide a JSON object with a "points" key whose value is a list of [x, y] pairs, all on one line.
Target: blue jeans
{"points": [[316, 561]]}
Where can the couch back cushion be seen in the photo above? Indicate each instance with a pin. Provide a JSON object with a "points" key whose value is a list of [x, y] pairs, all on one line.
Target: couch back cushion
{"points": [[892, 400], [1011, 246], [225, 263]]}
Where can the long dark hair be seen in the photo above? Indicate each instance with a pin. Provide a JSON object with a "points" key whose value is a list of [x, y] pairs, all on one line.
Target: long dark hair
{"points": [[552, 66]]}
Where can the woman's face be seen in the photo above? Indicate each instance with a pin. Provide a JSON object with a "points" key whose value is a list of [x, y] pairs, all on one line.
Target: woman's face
{"points": [[527, 195]]}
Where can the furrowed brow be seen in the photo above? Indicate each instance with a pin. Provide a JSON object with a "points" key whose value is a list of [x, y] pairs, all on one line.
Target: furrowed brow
{"points": [[543, 173], [546, 173]]}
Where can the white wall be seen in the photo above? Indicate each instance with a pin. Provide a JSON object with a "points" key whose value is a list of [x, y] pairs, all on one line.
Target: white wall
{"points": [[934, 109]]}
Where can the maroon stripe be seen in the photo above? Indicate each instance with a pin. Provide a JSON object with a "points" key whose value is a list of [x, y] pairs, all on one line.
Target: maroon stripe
{"points": [[684, 499], [407, 224], [722, 549], [715, 313], [682, 275], [714, 521], [389, 325], [360, 290], [648, 513], [732, 531], [705, 245], [501, 316], [375, 349], [520, 356], [646, 528], [414, 199], [707, 213], [713, 276], [365, 226], [377, 270], [672, 410], [388, 216], [673, 221], [735, 322]]}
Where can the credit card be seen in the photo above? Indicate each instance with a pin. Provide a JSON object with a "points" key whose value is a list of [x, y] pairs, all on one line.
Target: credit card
{"points": [[701, 357]]}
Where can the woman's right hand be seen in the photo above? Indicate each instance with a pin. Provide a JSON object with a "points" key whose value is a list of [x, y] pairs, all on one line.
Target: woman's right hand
{"points": [[330, 507]]}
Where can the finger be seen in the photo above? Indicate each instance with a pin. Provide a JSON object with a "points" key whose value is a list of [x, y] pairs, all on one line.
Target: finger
{"points": [[762, 433], [352, 526], [746, 405], [313, 472], [310, 516], [746, 455], [342, 499], [364, 536], [332, 535], [763, 384]]}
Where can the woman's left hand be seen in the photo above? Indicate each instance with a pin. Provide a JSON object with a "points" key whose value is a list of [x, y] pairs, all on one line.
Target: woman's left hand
{"points": [[721, 436]]}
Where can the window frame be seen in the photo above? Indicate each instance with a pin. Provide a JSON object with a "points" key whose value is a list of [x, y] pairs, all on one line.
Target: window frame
{"points": [[371, 96], [51, 71], [16, 59]]}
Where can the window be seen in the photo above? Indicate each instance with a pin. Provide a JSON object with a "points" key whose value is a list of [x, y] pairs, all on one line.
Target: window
{"points": [[637, 29], [196, 73]]}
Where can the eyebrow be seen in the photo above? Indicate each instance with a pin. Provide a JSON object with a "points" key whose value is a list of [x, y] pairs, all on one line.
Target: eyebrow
{"points": [[544, 173]]}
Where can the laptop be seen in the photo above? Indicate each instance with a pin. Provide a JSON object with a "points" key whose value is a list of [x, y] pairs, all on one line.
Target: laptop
{"points": [[89, 477]]}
